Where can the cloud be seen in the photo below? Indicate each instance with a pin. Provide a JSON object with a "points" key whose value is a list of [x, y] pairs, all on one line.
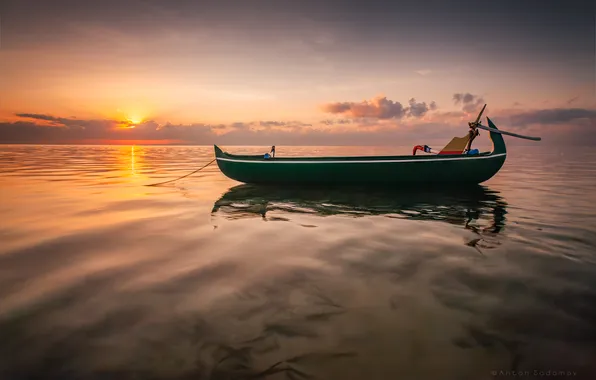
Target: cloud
{"points": [[240, 125], [74, 123], [289, 124], [423, 72], [40, 128], [271, 124], [378, 108], [420, 109], [74, 130], [37, 116], [347, 131], [297, 124], [336, 122], [573, 100], [553, 116], [469, 102]]}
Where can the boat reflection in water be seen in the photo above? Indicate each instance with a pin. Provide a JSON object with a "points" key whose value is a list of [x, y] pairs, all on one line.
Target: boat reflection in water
{"points": [[475, 208]]}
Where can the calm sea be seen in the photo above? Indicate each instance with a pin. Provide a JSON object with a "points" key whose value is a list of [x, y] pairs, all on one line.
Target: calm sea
{"points": [[102, 277]]}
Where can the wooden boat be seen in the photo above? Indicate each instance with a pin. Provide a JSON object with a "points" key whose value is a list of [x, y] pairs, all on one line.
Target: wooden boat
{"points": [[453, 164]]}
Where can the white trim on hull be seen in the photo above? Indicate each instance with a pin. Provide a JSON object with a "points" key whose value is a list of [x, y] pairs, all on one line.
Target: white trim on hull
{"points": [[273, 161]]}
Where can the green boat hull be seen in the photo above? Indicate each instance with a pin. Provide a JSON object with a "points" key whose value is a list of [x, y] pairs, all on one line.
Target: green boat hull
{"points": [[452, 169]]}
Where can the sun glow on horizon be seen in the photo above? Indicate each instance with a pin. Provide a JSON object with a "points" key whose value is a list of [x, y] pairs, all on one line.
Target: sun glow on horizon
{"points": [[135, 120]]}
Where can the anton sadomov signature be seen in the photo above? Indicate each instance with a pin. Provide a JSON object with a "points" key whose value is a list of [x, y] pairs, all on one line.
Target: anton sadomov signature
{"points": [[536, 372]]}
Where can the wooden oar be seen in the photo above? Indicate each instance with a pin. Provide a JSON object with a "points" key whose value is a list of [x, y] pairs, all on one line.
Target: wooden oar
{"points": [[507, 133]]}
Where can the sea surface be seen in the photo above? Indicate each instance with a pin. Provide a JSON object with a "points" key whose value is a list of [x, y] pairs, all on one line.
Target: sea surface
{"points": [[103, 277]]}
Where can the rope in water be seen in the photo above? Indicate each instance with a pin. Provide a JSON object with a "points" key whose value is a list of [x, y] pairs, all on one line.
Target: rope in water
{"points": [[184, 176]]}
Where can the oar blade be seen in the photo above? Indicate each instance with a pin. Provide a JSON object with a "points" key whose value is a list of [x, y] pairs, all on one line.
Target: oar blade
{"points": [[508, 133]]}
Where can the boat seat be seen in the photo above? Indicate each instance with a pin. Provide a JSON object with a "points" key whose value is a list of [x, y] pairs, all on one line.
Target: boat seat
{"points": [[456, 146]]}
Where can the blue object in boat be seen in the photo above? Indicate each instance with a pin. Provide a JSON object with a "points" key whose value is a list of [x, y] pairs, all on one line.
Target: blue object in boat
{"points": [[267, 155], [473, 151]]}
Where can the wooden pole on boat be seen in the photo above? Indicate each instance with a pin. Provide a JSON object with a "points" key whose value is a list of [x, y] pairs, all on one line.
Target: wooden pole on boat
{"points": [[473, 131], [476, 124], [508, 133]]}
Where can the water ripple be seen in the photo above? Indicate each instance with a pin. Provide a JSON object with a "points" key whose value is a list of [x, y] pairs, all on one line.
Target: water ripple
{"points": [[205, 278]]}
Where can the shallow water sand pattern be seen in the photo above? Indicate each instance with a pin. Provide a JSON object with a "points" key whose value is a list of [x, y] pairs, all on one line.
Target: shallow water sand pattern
{"points": [[102, 277]]}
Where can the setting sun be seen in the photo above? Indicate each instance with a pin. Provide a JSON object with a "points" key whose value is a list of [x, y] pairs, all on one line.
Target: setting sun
{"points": [[135, 120]]}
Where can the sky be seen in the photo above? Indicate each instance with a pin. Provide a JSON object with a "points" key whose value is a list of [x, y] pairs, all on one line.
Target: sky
{"points": [[255, 72]]}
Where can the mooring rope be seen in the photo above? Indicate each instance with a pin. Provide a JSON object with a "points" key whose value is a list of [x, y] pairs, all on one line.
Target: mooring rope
{"points": [[184, 176]]}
